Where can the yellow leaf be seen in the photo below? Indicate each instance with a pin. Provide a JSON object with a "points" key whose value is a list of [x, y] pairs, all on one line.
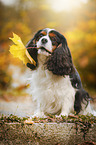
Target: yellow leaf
{"points": [[18, 50]]}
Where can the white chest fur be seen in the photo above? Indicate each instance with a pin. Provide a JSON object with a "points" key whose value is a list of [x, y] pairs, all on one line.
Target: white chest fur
{"points": [[51, 92]]}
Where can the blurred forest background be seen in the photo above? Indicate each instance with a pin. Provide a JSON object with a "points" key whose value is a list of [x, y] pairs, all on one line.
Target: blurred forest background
{"points": [[75, 20]]}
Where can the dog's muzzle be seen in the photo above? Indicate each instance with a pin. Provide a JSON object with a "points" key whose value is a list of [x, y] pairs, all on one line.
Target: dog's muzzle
{"points": [[44, 41]]}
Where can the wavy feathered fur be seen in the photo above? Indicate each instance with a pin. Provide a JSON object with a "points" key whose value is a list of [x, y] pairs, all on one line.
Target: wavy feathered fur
{"points": [[60, 62]]}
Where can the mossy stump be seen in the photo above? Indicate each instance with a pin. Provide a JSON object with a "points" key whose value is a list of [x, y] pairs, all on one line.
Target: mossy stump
{"points": [[44, 134]]}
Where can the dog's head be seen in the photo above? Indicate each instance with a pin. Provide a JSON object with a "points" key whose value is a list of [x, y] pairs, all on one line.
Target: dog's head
{"points": [[51, 43]]}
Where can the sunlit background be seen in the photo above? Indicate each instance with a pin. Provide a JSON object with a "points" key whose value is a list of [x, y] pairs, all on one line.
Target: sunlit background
{"points": [[75, 19]]}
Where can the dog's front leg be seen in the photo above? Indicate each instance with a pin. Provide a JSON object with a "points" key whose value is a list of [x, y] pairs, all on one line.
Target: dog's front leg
{"points": [[38, 112], [66, 109], [64, 112]]}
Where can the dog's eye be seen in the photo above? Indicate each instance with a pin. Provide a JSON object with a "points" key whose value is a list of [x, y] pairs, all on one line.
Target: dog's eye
{"points": [[53, 39], [40, 36]]}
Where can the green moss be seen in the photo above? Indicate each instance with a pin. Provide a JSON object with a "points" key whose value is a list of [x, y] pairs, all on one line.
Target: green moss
{"points": [[51, 118], [11, 119]]}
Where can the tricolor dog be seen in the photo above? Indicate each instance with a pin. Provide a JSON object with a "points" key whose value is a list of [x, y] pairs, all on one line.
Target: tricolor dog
{"points": [[55, 84]]}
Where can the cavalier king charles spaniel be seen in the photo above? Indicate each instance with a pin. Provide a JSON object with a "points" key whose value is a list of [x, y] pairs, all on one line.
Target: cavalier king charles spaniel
{"points": [[55, 84]]}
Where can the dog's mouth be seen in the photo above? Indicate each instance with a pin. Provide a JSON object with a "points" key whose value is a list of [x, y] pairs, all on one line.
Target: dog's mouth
{"points": [[43, 49]]}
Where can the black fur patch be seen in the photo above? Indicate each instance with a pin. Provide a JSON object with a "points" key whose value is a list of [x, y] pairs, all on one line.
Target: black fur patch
{"points": [[62, 40], [32, 42], [75, 79], [31, 48], [60, 62], [81, 96], [33, 53]]}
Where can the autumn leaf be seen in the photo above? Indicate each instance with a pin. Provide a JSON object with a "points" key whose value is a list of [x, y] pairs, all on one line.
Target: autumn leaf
{"points": [[18, 50]]}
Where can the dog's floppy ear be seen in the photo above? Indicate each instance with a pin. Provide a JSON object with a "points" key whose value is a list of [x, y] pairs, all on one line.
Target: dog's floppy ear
{"points": [[32, 50], [60, 62], [32, 42], [63, 41]]}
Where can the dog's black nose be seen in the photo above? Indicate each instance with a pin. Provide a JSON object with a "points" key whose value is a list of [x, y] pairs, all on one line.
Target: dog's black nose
{"points": [[44, 41]]}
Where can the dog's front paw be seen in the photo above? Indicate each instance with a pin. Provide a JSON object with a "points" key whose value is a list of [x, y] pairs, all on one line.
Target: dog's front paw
{"points": [[63, 114], [39, 114], [29, 121]]}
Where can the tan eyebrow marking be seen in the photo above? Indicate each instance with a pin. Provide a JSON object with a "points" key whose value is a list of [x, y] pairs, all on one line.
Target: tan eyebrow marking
{"points": [[44, 33], [54, 47], [52, 35], [34, 41]]}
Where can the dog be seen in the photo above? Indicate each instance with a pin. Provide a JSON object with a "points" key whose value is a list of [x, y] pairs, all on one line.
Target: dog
{"points": [[55, 84]]}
